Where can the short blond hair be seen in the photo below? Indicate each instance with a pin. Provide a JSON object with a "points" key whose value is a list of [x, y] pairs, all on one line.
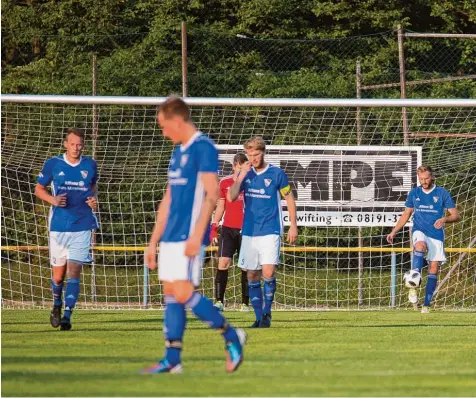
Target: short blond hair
{"points": [[256, 143], [424, 168]]}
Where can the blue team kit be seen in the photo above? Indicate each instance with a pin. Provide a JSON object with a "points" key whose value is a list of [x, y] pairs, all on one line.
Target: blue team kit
{"points": [[429, 207], [76, 181]]}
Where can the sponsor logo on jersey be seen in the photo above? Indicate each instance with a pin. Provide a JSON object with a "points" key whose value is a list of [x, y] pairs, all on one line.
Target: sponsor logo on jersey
{"points": [[61, 173], [248, 181], [417, 199], [84, 173], [435, 199], [183, 160], [267, 182], [81, 183]]}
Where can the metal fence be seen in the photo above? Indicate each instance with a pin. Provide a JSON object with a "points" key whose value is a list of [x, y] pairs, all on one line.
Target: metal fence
{"points": [[198, 61]]}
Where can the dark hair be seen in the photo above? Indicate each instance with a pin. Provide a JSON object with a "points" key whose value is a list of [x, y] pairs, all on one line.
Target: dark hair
{"points": [[239, 158], [175, 106], [77, 132]]}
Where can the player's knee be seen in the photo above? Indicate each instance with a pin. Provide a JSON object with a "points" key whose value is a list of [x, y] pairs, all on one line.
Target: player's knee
{"points": [[433, 268], [253, 276], [268, 271], [420, 246], [183, 290], [224, 263], [74, 269]]}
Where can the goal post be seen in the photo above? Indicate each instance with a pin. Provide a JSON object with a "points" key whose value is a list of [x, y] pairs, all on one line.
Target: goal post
{"points": [[350, 177]]}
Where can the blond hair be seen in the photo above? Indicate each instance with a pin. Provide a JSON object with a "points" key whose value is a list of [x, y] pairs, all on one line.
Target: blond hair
{"points": [[256, 143], [424, 168]]}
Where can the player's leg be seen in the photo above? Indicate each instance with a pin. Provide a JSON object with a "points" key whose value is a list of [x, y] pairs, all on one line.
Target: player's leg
{"points": [[181, 274], [249, 256], [174, 327], [269, 287], [269, 256], [245, 298], [78, 253], [419, 250], [436, 256], [58, 254], [225, 255]]}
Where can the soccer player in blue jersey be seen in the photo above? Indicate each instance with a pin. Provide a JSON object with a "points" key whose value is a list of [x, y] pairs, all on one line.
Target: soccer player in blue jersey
{"points": [[73, 198], [427, 203], [264, 185], [182, 226]]}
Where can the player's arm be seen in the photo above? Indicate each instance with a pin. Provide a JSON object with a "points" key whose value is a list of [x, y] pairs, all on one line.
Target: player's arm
{"points": [[453, 217], [291, 204], [162, 214], [92, 200], [236, 188], [42, 193], [400, 223], [217, 216], [210, 185]]}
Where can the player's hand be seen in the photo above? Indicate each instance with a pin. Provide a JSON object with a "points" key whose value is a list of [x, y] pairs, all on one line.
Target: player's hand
{"points": [[390, 237], [439, 223], [151, 257], [214, 234], [244, 168], [192, 246], [60, 200], [92, 202], [292, 234]]}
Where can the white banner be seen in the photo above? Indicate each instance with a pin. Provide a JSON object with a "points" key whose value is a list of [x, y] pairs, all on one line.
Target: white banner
{"points": [[342, 185]]}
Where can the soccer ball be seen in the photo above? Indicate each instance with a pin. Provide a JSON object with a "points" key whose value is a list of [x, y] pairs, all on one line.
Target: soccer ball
{"points": [[412, 278]]}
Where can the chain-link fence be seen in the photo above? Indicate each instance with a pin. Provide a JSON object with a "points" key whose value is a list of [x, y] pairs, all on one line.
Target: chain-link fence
{"points": [[205, 62]]}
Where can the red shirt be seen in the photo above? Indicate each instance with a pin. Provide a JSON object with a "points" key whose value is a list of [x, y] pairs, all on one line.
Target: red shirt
{"points": [[233, 210]]}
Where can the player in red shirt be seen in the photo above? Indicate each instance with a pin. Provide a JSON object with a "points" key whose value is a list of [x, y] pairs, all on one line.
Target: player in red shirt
{"points": [[230, 237]]}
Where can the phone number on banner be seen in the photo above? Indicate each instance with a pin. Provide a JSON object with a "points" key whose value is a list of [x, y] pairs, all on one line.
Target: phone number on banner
{"points": [[344, 219]]}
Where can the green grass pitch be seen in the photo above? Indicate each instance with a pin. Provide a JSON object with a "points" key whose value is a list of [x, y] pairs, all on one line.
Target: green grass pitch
{"points": [[385, 353]]}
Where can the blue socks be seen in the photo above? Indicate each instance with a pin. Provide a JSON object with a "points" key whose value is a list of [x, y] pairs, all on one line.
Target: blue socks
{"points": [[57, 293], [204, 309], [256, 298], [71, 296], [269, 289], [174, 327], [418, 260], [430, 288]]}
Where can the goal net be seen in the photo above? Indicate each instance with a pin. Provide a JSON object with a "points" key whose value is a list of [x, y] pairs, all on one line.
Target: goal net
{"points": [[350, 164]]}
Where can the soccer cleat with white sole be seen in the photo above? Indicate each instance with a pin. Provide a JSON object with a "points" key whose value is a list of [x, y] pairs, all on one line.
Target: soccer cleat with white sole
{"points": [[162, 366], [234, 351], [425, 310], [219, 305], [244, 308]]}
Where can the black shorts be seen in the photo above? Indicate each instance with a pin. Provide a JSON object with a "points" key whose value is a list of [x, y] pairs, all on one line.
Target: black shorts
{"points": [[229, 242]]}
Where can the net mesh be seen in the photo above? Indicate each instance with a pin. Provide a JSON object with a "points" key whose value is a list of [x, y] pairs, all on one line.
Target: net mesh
{"points": [[324, 270]]}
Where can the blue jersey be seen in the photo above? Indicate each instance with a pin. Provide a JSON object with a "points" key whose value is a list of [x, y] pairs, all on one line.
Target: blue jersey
{"points": [[199, 155], [262, 201], [429, 207], [76, 181]]}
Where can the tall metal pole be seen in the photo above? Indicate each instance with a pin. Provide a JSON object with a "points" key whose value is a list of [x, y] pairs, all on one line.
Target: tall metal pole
{"points": [[358, 85], [403, 90], [95, 138], [184, 60]]}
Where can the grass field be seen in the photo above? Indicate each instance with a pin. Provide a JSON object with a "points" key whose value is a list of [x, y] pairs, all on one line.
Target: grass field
{"points": [[391, 353]]}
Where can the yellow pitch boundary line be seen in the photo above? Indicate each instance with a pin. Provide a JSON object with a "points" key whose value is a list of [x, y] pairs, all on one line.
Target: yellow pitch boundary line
{"points": [[283, 249]]}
